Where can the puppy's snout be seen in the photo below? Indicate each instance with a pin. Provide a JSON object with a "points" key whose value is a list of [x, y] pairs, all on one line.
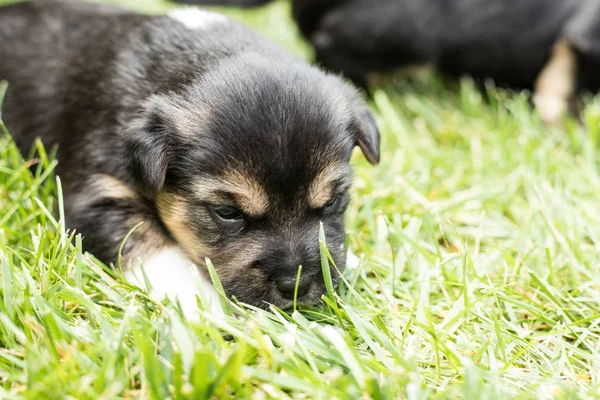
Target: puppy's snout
{"points": [[287, 286], [281, 268]]}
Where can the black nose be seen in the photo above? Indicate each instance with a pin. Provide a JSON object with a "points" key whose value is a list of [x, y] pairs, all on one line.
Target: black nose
{"points": [[287, 285]]}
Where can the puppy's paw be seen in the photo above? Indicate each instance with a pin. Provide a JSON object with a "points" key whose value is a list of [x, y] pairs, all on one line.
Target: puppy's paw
{"points": [[556, 85], [551, 109], [170, 273]]}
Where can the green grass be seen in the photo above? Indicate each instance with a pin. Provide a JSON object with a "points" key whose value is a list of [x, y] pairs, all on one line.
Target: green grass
{"points": [[479, 236]]}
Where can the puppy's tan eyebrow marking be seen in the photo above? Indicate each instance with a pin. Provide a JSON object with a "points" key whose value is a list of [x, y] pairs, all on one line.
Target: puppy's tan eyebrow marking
{"points": [[321, 188], [248, 193]]}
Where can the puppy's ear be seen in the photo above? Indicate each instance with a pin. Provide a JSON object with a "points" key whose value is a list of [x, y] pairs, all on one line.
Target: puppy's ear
{"points": [[363, 125], [149, 144], [367, 134]]}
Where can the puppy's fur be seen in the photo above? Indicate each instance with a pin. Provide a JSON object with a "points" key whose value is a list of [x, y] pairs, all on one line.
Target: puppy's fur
{"points": [[551, 46], [195, 134]]}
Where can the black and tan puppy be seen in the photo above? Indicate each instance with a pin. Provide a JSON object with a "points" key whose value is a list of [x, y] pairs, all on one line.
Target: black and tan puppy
{"points": [[218, 142], [551, 46]]}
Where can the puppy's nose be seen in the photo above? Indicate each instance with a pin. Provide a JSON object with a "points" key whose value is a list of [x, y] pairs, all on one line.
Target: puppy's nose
{"points": [[287, 285]]}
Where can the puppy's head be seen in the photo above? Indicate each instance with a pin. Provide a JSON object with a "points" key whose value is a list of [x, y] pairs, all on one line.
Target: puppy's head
{"points": [[244, 164]]}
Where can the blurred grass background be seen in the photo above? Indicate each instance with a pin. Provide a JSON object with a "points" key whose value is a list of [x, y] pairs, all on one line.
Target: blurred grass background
{"points": [[479, 236]]}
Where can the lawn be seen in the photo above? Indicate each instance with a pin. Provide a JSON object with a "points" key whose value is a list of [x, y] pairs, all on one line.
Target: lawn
{"points": [[479, 239]]}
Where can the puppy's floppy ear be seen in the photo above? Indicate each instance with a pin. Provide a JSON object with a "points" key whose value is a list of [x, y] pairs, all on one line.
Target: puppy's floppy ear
{"points": [[150, 142], [364, 126], [367, 135]]}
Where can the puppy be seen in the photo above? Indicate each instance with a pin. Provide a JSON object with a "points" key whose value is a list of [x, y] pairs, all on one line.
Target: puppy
{"points": [[550, 46], [194, 137]]}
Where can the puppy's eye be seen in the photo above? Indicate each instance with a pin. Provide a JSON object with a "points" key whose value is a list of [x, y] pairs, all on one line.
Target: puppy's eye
{"points": [[228, 213], [331, 203]]}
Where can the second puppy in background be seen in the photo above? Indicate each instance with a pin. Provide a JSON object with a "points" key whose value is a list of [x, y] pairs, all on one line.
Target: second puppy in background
{"points": [[549, 46]]}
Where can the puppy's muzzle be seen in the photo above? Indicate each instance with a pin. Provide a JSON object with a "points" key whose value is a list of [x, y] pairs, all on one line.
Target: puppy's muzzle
{"points": [[281, 271], [287, 286]]}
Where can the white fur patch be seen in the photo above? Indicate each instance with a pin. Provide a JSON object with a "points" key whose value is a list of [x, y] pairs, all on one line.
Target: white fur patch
{"points": [[170, 273], [195, 18], [352, 260]]}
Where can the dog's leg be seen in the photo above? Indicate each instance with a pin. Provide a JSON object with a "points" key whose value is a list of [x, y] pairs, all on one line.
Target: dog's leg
{"points": [[107, 210], [171, 273], [556, 86]]}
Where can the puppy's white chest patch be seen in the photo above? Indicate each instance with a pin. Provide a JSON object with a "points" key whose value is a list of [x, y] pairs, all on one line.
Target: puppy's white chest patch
{"points": [[170, 273], [195, 18]]}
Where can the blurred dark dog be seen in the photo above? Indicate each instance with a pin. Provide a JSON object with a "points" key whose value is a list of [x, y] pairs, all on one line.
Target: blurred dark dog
{"points": [[549, 46], [194, 134]]}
